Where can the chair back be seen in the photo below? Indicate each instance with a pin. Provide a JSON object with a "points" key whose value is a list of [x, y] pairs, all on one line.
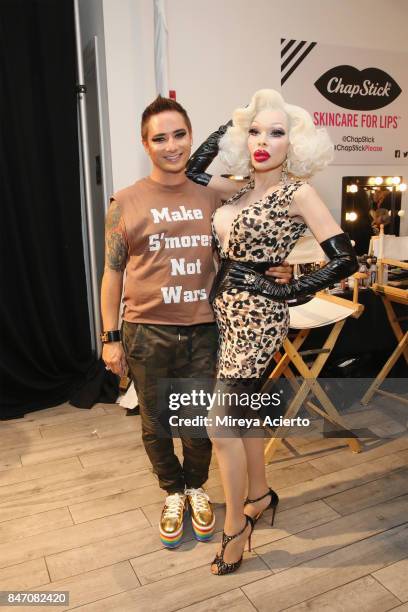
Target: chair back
{"points": [[389, 250], [389, 246]]}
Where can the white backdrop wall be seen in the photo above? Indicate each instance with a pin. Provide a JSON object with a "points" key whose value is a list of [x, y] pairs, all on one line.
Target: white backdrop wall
{"points": [[220, 52]]}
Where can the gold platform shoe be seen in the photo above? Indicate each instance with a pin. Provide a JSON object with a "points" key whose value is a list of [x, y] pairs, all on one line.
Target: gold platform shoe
{"points": [[172, 520], [202, 515]]}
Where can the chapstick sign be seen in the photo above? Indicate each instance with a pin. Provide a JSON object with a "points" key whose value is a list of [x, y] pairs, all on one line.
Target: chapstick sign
{"points": [[358, 95]]}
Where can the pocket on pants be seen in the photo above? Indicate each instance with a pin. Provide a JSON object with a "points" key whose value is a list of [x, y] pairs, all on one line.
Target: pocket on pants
{"points": [[133, 339]]}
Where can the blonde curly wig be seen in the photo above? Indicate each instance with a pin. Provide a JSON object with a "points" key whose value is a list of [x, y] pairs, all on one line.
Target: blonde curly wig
{"points": [[310, 148]]}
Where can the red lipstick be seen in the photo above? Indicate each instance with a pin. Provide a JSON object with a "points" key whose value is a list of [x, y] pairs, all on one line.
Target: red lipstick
{"points": [[261, 155]]}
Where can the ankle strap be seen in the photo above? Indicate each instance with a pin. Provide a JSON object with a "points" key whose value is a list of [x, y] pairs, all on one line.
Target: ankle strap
{"points": [[248, 520], [253, 501]]}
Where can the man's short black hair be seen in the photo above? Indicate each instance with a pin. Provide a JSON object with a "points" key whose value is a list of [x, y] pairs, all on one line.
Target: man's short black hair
{"points": [[160, 105]]}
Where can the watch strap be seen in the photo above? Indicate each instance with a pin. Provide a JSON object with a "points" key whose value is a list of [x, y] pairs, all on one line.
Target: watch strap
{"points": [[110, 336]]}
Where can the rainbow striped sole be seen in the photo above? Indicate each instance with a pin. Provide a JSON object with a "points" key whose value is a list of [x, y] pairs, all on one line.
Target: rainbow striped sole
{"points": [[173, 540], [203, 534]]}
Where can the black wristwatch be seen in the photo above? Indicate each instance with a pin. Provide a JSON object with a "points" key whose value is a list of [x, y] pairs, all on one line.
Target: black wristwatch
{"points": [[110, 336]]}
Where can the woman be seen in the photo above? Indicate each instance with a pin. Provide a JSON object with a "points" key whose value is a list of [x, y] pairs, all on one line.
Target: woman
{"points": [[257, 228]]}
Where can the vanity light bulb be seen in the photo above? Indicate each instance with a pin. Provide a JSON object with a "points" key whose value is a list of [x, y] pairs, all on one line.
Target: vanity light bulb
{"points": [[378, 180], [396, 180], [352, 216], [402, 187], [353, 188]]}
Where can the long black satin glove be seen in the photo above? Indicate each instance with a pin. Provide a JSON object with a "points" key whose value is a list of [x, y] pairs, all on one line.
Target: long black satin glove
{"points": [[203, 156], [343, 263]]}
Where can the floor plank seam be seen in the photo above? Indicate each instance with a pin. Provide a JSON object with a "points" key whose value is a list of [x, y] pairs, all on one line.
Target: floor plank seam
{"points": [[161, 547], [253, 555], [98, 600], [102, 480], [146, 517], [122, 455], [335, 587], [247, 598], [207, 598], [385, 501], [298, 533], [343, 584], [70, 514], [80, 462], [312, 455], [94, 569], [135, 573], [41, 554], [47, 568], [281, 490], [385, 587], [363, 453], [321, 556]]}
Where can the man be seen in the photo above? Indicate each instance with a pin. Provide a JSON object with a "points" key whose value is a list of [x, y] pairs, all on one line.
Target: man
{"points": [[159, 230]]}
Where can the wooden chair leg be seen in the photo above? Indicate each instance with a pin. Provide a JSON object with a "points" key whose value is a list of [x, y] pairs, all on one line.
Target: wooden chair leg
{"points": [[310, 384], [389, 364], [396, 327], [331, 414], [291, 412]]}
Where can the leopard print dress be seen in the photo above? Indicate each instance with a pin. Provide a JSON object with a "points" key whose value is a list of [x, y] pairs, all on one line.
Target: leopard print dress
{"points": [[252, 327]]}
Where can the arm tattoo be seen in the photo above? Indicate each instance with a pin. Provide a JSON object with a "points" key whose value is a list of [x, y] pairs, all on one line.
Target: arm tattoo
{"points": [[115, 244]]}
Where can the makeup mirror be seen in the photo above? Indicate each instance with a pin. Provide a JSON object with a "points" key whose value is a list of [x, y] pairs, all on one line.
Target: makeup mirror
{"points": [[367, 202]]}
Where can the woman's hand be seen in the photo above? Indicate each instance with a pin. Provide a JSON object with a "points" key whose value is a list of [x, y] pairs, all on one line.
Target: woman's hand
{"points": [[245, 279], [281, 274], [203, 156], [342, 263]]}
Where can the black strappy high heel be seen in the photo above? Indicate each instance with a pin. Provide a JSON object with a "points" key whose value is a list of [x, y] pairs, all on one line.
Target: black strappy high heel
{"points": [[223, 566], [272, 504]]}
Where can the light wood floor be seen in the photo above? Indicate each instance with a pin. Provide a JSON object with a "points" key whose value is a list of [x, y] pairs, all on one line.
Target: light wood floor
{"points": [[79, 509]]}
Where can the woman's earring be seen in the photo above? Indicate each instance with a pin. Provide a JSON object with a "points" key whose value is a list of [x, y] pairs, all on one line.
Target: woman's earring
{"points": [[284, 172]]}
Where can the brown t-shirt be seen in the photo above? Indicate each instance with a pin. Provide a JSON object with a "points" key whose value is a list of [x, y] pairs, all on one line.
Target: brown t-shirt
{"points": [[170, 266]]}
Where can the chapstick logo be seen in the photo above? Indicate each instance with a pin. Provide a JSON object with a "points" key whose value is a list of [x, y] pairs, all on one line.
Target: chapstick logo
{"points": [[355, 89]]}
